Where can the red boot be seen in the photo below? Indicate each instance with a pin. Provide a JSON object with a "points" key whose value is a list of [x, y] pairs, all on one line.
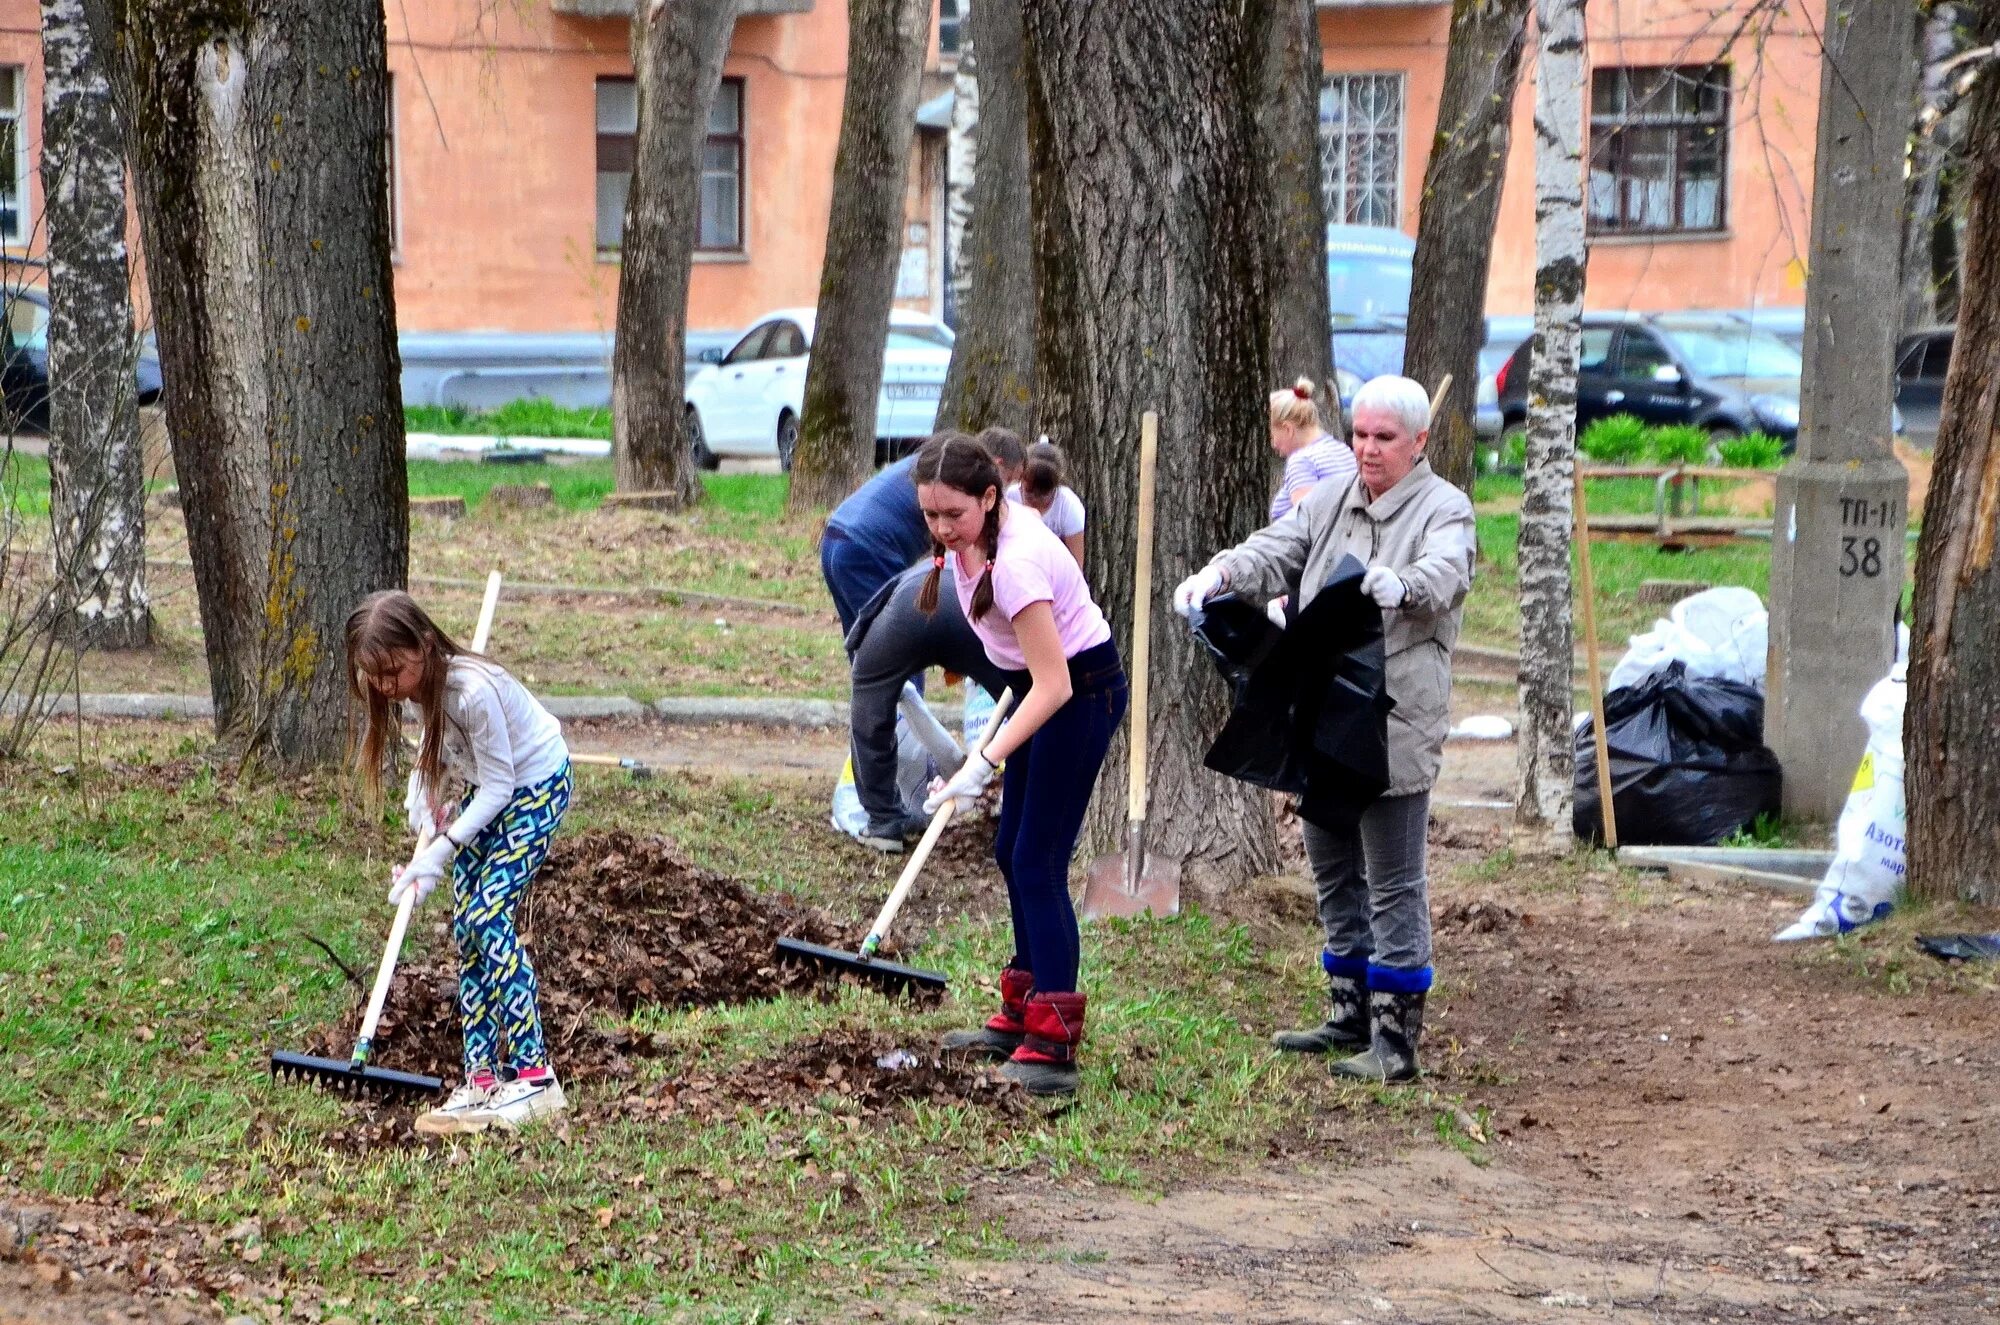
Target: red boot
{"points": [[1003, 1032], [1046, 1061]]}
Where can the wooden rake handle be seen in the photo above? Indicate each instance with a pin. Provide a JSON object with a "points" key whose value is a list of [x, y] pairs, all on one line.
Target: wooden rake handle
{"points": [[907, 880]]}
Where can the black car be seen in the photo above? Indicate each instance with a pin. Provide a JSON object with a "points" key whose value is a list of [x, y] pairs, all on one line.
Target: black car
{"points": [[1711, 370], [1921, 360], [24, 377]]}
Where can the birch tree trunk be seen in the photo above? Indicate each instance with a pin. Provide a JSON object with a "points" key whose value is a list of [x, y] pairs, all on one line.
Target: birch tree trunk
{"points": [[256, 139], [1295, 220], [1951, 728], [677, 55], [1547, 751], [1150, 294], [991, 382], [1930, 153], [97, 476], [961, 168], [886, 44], [1461, 203]]}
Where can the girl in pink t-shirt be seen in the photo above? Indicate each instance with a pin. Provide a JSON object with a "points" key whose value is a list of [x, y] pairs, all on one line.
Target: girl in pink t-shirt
{"points": [[1026, 599]]}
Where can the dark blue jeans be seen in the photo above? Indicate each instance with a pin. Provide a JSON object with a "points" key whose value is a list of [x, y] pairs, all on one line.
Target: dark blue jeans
{"points": [[1044, 792], [854, 573]]}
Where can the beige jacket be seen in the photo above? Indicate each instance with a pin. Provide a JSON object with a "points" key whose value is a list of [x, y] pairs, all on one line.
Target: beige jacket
{"points": [[1422, 529]]}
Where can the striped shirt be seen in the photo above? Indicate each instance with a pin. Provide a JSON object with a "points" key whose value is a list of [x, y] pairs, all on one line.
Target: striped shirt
{"points": [[1327, 460]]}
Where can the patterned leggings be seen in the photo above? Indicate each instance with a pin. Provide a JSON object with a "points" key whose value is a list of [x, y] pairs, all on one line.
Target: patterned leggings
{"points": [[497, 990]]}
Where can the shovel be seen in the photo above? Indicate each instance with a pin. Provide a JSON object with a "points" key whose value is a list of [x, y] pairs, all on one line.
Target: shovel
{"points": [[1134, 882]]}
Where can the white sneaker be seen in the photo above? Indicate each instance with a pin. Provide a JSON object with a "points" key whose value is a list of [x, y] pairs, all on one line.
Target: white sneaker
{"points": [[516, 1104], [464, 1112]]}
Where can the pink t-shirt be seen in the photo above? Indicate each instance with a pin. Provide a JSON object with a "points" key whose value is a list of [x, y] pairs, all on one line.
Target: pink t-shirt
{"points": [[1032, 566]]}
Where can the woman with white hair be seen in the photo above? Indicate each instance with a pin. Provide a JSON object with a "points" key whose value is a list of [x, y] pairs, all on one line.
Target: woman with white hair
{"points": [[1414, 532]]}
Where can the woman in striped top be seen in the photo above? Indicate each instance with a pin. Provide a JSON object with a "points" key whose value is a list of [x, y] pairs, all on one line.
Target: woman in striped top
{"points": [[1310, 454]]}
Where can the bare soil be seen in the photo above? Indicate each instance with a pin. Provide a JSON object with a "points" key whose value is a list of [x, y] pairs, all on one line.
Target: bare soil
{"points": [[1680, 1121]]}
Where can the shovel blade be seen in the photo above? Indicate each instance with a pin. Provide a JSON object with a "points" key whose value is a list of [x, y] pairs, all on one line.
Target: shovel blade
{"points": [[1155, 891]]}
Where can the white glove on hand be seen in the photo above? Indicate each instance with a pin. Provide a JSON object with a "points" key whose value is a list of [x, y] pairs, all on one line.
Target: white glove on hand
{"points": [[424, 870], [965, 785], [1384, 586], [1197, 589], [401, 881], [419, 806], [1275, 609]]}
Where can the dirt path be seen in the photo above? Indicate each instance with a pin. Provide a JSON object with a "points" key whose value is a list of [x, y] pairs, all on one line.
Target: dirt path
{"points": [[1689, 1123]]}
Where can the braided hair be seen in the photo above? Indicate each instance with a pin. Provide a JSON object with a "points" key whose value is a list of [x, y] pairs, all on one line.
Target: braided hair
{"points": [[961, 463]]}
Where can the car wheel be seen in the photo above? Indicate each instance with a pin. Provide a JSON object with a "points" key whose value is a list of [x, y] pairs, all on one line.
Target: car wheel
{"points": [[788, 439], [698, 443], [1719, 433]]}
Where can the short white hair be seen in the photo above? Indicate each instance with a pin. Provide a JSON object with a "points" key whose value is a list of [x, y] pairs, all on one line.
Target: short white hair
{"points": [[1402, 398]]}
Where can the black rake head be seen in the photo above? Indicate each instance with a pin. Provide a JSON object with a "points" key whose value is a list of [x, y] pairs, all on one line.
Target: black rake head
{"points": [[893, 975], [334, 1074]]}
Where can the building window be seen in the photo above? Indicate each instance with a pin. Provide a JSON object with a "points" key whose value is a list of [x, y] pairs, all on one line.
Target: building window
{"points": [[13, 158], [1361, 148], [950, 25], [1659, 150], [721, 225], [389, 163]]}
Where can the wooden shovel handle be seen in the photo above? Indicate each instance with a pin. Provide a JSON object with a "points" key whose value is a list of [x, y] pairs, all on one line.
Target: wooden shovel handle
{"points": [[1142, 614]]}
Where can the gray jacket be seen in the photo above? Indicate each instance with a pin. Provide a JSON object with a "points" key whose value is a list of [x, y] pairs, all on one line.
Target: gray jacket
{"points": [[1422, 529]]}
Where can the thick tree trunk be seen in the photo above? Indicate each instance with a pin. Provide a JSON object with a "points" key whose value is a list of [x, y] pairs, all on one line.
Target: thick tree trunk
{"points": [[886, 44], [1937, 42], [1150, 295], [256, 138], [1547, 754], [991, 382], [1461, 203], [961, 168], [677, 55], [1951, 729], [96, 466], [1295, 219]]}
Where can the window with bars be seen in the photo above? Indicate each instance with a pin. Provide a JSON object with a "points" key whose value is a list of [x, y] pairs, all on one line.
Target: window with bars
{"points": [[1361, 148], [13, 157], [721, 226], [951, 22], [1659, 150]]}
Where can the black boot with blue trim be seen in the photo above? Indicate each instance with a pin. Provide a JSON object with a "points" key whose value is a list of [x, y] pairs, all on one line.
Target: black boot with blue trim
{"points": [[1395, 1021], [1346, 1025]]}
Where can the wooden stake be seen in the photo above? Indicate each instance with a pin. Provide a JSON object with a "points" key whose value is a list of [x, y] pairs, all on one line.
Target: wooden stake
{"points": [[1595, 675]]}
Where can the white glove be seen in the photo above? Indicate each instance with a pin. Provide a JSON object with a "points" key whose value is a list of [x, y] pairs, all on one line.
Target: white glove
{"points": [[1275, 609], [419, 806], [401, 881], [1197, 589], [965, 785], [1384, 586]]}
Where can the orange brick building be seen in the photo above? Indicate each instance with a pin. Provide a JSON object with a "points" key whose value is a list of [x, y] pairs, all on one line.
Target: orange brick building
{"points": [[510, 125]]}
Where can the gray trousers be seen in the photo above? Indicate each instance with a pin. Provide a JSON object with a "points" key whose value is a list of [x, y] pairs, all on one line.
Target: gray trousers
{"points": [[1374, 897]]}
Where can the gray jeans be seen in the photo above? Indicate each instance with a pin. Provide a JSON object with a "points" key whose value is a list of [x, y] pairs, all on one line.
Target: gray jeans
{"points": [[1374, 898]]}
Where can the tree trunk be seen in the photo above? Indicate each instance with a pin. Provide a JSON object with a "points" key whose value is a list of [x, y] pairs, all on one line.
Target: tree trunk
{"points": [[1937, 42], [991, 382], [256, 139], [1548, 760], [886, 44], [1150, 295], [1951, 730], [677, 55], [1295, 217], [961, 169], [97, 472], [1461, 203]]}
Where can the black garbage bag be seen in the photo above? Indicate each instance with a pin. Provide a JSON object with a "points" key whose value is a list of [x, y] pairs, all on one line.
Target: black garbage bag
{"points": [[1688, 762]]}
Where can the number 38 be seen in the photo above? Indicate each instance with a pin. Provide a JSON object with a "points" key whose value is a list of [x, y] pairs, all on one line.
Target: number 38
{"points": [[1860, 556]]}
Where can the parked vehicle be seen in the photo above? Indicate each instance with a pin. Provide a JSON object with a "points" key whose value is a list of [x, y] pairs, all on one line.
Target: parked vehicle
{"points": [[1709, 369], [1368, 291], [1921, 360], [746, 403], [24, 374]]}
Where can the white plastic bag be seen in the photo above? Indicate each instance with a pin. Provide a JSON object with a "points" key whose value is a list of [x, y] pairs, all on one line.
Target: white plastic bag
{"points": [[1869, 861], [914, 771], [1722, 632]]}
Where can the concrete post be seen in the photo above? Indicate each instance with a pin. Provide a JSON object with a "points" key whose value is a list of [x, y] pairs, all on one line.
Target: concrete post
{"points": [[1837, 545]]}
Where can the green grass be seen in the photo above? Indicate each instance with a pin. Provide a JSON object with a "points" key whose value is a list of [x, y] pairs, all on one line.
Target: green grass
{"points": [[534, 417], [154, 952]]}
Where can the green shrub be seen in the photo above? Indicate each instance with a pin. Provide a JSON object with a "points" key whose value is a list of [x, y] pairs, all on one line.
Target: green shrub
{"points": [[1681, 444], [1756, 451], [1618, 440], [1514, 451]]}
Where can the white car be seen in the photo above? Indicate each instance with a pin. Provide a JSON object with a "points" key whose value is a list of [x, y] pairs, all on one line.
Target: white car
{"points": [[747, 404]]}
